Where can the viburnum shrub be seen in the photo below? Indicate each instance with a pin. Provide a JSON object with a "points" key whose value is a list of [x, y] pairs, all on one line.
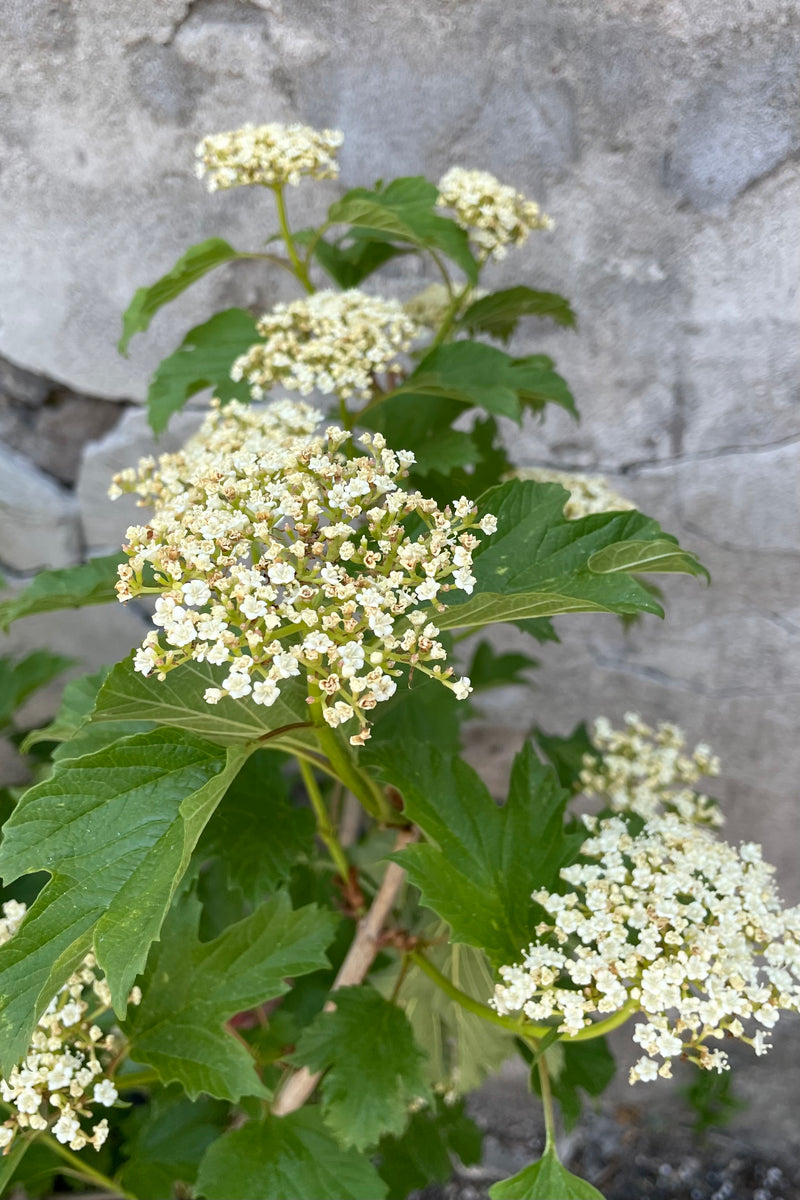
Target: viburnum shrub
{"points": [[269, 927]]}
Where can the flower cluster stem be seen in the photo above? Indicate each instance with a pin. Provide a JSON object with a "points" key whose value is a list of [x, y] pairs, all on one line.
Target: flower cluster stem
{"points": [[300, 268], [367, 792], [518, 1025], [324, 827], [547, 1103], [82, 1169]]}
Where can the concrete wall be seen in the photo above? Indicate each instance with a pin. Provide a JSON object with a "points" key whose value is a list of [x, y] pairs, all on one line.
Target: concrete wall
{"points": [[661, 134]]}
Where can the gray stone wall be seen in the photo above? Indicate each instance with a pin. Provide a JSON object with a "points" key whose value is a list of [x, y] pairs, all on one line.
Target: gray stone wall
{"points": [[662, 135]]}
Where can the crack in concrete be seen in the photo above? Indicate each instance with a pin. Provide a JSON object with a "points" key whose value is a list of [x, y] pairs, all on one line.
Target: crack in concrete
{"points": [[631, 469]]}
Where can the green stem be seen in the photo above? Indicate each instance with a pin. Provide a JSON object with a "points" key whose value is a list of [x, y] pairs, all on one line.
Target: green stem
{"points": [[82, 1169], [600, 1028], [324, 826], [367, 792], [449, 317], [312, 245], [300, 268], [547, 1104], [448, 283], [518, 1025], [136, 1079]]}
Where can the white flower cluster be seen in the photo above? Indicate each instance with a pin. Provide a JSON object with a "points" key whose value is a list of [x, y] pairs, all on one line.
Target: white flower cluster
{"points": [[335, 342], [587, 493], [267, 154], [494, 214], [61, 1079], [646, 771], [290, 558], [671, 922]]}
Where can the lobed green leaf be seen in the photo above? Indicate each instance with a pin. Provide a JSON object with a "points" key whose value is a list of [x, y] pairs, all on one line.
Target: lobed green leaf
{"points": [[349, 263], [115, 831], [544, 1180], [286, 1158], [191, 988], [423, 1155], [20, 677], [476, 375], [203, 360], [482, 861], [499, 313], [178, 701], [374, 1068], [405, 211], [191, 266], [165, 1140], [489, 670], [257, 833], [77, 702], [539, 564], [68, 587]]}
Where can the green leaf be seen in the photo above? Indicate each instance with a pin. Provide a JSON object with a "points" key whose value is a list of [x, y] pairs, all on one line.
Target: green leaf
{"points": [[462, 1049], [482, 376], [482, 861], [349, 264], [96, 735], [423, 1155], [78, 700], [193, 265], [589, 1066], [68, 587], [544, 1180], [498, 313], [539, 564], [257, 832], [178, 701], [12, 1159], [191, 988], [659, 554], [566, 753], [405, 212], [489, 670], [20, 678], [286, 1158], [374, 1067], [115, 830], [203, 360], [165, 1140], [420, 711]]}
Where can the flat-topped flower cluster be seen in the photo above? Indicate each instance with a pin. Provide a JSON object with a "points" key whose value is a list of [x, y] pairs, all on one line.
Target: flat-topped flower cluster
{"points": [[647, 771], [63, 1079], [587, 493], [267, 154], [662, 918], [494, 215], [291, 559], [334, 342]]}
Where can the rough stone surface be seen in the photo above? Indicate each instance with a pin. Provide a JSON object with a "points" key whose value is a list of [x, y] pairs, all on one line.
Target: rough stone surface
{"points": [[104, 521], [49, 423], [38, 520]]}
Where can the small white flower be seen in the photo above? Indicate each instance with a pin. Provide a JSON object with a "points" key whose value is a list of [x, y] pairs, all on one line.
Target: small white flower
{"points": [[70, 1014], [105, 1093], [265, 692], [196, 593]]}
